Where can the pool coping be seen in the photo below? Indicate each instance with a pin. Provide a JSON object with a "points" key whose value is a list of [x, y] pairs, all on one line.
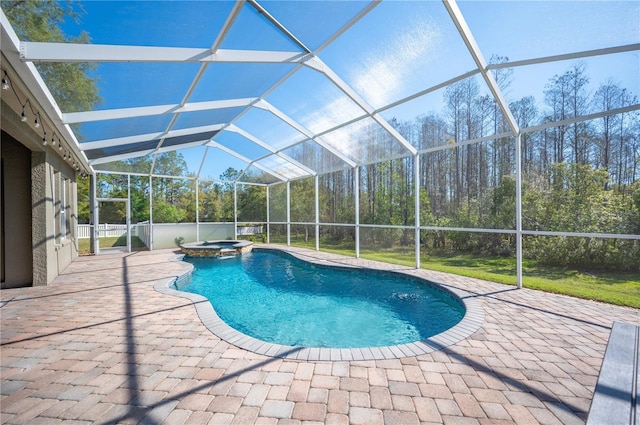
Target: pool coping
{"points": [[470, 323]]}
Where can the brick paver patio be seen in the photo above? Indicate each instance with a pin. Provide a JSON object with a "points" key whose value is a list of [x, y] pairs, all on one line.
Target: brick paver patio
{"points": [[100, 345]]}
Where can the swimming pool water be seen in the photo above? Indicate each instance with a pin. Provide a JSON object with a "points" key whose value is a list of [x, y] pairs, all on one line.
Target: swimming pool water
{"points": [[279, 299]]}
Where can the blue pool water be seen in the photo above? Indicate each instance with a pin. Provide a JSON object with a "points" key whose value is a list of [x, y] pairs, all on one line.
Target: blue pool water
{"points": [[279, 299]]}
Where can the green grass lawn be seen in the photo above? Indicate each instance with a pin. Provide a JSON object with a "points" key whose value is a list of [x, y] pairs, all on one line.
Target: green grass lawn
{"points": [[136, 244], [620, 288]]}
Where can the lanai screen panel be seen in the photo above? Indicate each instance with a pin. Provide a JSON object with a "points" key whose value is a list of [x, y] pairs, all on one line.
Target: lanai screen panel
{"points": [[538, 29], [241, 145], [192, 23], [137, 165], [207, 117], [397, 50], [314, 101], [252, 30], [269, 129], [253, 174], [314, 156], [540, 81], [140, 84], [287, 90], [315, 22], [365, 141], [282, 167], [123, 127], [217, 163], [222, 81]]}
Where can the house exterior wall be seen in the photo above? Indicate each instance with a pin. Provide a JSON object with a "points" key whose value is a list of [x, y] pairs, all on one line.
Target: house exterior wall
{"points": [[33, 182], [16, 213]]}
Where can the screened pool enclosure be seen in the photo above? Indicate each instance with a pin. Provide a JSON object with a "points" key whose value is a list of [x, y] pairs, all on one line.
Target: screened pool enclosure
{"points": [[407, 127]]}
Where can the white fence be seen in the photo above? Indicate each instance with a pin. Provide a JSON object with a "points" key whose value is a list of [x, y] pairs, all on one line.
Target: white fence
{"points": [[169, 235], [106, 230]]}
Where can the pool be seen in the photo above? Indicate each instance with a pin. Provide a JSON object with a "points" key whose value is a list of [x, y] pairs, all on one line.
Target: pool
{"points": [[268, 301]]}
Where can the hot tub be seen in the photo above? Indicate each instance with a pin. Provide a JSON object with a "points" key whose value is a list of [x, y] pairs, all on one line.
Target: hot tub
{"points": [[216, 248]]}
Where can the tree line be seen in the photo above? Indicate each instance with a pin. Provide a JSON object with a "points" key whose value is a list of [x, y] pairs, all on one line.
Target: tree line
{"points": [[170, 200]]}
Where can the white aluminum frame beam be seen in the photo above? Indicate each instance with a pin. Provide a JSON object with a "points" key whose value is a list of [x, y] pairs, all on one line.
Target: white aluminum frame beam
{"points": [[295, 162], [416, 206], [428, 90], [566, 56], [122, 173], [234, 128], [348, 25], [235, 210], [144, 111], [263, 104], [297, 175], [317, 64], [197, 185], [171, 148], [582, 118], [279, 25], [99, 144], [105, 159], [481, 63], [466, 142], [356, 208], [248, 161], [288, 213], [268, 218], [72, 52], [202, 161], [316, 205], [519, 210]]}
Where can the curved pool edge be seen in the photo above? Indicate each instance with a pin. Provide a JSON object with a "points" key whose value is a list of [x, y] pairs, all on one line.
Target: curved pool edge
{"points": [[470, 323]]}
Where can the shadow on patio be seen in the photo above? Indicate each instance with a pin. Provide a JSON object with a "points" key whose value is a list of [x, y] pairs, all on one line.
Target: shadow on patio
{"points": [[78, 350]]}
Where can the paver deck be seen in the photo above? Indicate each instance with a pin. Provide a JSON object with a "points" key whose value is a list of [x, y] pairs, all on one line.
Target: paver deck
{"points": [[100, 345]]}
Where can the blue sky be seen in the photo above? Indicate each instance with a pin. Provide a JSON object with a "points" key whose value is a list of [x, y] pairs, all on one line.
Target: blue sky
{"points": [[398, 49]]}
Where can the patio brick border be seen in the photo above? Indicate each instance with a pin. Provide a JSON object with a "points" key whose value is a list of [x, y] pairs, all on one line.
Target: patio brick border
{"points": [[470, 323]]}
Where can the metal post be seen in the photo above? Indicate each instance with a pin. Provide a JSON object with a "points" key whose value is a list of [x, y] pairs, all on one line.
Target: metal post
{"points": [[416, 192], [518, 211], [317, 213], [151, 213], [197, 211], [288, 213], [268, 222], [356, 188], [94, 248], [92, 213], [235, 210], [128, 218]]}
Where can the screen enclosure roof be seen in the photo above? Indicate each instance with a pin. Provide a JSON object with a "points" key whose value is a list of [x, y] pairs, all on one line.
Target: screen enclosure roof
{"points": [[282, 90]]}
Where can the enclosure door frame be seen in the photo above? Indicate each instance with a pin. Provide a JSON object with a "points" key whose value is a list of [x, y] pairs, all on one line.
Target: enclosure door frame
{"points": [[96, 228]]}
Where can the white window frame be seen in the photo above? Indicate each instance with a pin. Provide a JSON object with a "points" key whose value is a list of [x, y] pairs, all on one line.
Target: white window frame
{"points": [[63, 208]]}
